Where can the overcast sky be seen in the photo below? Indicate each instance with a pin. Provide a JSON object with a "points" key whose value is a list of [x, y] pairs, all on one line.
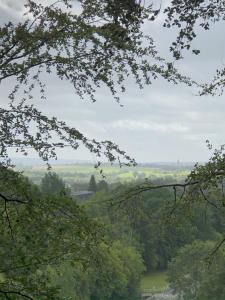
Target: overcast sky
{"points": [[162, 122]]}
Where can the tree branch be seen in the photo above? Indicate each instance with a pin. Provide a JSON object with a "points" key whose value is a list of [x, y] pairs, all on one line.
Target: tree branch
{"points": [[19, 293], [6, 199]]}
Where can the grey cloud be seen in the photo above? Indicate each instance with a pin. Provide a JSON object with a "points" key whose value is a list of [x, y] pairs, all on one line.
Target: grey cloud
{"points": [[157, 127], [12, 5]]}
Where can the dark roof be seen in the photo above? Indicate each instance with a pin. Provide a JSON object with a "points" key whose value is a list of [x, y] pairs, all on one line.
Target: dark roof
{"points": [[81, 193]]}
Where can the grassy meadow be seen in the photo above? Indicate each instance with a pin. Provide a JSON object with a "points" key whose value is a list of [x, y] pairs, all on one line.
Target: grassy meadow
{"points": [[80, 173], [155, 282]]}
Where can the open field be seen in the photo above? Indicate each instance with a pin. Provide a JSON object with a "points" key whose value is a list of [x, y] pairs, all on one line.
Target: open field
{"points": [[157, 282], [81, 173]]}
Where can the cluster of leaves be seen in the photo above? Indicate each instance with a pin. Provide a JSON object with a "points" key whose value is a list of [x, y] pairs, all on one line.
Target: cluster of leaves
{"points": [[206, 182], [24, 127], [187, 16]]}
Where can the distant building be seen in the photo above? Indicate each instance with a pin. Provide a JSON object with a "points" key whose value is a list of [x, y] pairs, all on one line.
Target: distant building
{"points": [[82, 194]]}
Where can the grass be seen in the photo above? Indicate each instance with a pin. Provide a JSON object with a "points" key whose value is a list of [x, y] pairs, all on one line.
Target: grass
{"points": [[82, 173], [157, 282]]}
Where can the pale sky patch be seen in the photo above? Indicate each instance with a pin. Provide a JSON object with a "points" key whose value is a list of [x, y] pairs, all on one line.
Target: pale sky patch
{"points": [[152, 126]]}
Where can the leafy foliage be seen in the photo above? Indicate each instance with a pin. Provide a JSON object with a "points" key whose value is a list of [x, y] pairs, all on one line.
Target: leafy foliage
{"points": [[116, 276], [37, 232], [17, 130], [191, 275], [187, 16]]}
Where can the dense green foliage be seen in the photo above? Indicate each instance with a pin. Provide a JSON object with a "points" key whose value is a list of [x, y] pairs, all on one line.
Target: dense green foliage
{"points": [[194, 277], [159, 231], [54, 250], [100, 249], [38, 231], [115, 277]]}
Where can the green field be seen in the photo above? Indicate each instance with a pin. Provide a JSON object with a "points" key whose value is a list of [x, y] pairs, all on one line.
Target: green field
{"points": [[157, 282], [81, 173]]}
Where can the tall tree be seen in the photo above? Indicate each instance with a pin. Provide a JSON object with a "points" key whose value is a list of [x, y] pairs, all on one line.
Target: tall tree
{"points": [[52, 184], [92, 184]]}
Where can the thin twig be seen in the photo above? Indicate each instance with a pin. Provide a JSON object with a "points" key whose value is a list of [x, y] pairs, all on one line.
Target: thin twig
{"points": [[206, 199]]}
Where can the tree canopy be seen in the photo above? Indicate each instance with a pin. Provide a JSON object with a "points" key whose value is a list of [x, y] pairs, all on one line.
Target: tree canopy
{"points": [[92, 184], [38, 232], [192, 277]]}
